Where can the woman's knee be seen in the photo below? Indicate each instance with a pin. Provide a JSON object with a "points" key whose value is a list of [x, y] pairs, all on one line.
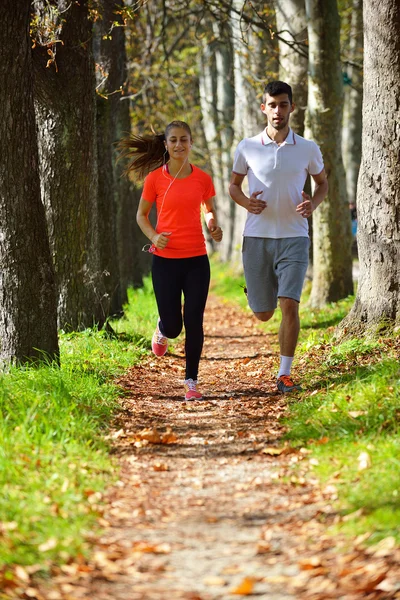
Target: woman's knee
{"points": [[171, 328], [264, 316]]}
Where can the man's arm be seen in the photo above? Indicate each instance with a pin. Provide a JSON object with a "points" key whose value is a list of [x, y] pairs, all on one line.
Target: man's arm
{"points": [[307, 207], [252, 204]]}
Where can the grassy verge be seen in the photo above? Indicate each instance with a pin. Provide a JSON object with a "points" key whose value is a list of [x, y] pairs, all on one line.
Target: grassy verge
{"points": [[54, 460], [348, 415]]}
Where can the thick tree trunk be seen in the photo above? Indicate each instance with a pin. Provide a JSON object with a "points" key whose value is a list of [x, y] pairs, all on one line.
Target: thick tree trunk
{"points": [[28, 303], [352, 116], [291, 27], [332, 267], [378, 198], [66, 114]]}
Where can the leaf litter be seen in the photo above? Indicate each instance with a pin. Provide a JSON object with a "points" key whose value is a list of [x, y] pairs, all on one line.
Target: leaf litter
{"points": [[208, 505]]}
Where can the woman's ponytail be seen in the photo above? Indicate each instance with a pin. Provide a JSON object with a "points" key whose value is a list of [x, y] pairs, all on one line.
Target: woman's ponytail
{"points": [[143, 153]]}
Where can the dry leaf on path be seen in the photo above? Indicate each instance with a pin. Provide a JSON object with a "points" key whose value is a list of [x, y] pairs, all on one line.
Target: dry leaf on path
{"points": [[245, 588]]}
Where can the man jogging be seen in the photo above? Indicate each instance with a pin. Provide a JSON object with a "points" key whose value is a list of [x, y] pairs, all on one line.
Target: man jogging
{"points": [[275, 238]]}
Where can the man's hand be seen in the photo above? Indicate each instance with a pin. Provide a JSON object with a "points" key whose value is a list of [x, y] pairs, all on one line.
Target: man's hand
{"points": [[306, 207], [256, 206]]}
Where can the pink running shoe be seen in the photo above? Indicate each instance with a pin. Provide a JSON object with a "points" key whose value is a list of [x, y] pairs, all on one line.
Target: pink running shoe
{"points": [[191, 390], [159, 343]]}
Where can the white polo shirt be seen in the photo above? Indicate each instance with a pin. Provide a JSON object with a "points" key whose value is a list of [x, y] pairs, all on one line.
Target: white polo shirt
{"points": [[280, 173]]}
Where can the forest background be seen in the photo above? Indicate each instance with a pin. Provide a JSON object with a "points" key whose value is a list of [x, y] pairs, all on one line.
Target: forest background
{"points": [[84, 74], [78, 76]]}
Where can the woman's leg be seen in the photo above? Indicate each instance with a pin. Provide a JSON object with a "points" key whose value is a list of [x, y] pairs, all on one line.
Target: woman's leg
{"points": [[167, 284], [195, 290]]}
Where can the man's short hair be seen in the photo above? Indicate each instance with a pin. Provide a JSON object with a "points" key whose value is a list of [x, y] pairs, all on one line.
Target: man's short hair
{"points": [[275, 88]]}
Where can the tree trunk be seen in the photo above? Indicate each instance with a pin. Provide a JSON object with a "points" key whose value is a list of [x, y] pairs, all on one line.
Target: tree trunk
{"points": [[252, 57], [66, 114], [378, 198], [217, 103], [291, 27], [28, 303], [104, 47], [332, 268], [352, 116]]}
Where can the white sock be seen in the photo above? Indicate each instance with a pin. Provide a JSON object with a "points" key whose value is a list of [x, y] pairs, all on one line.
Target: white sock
{"points": [[285, 365]]}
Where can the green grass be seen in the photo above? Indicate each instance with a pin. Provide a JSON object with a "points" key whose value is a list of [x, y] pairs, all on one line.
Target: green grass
{"points": [[54, 458], [350, 406]]}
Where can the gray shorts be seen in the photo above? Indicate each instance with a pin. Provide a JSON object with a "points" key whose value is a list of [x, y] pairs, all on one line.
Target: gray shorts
{"points": [[274, 268]]}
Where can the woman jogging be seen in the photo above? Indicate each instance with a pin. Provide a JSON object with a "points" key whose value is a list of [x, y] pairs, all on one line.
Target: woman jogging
{"points": [[180, 262]]}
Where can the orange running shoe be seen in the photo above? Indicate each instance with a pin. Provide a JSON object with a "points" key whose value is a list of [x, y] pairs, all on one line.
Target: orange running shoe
{"points": [[285, 384]]}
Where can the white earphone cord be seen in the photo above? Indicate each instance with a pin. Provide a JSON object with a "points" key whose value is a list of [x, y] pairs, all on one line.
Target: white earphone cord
{"points": [[151, 247]]}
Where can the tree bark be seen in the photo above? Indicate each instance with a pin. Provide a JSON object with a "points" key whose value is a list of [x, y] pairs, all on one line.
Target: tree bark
{"points": [[108, 90], [28, 303], [66, 114], [377, 302], [291, 27], [352, 116], [253, 56], [332, 265]]}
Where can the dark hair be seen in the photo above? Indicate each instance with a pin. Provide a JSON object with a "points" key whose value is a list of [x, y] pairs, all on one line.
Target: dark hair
{"points": [[146, 153], [275, 88]]}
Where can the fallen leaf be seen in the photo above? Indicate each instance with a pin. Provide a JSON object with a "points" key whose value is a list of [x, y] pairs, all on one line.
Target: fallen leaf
{"points": [[168, 437], [245, 588], [49, 545], [149, 548], [309, 563], [356, 413], [272, 451], [160, 466], [364, 461], [150, 435], [383, 548]]}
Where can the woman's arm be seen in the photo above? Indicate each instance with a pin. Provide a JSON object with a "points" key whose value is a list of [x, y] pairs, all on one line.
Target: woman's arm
{"points": [[160, 240], [211, 220]]}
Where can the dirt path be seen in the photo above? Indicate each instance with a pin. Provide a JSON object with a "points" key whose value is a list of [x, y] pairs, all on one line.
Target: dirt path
{"points": [[209, 505]]}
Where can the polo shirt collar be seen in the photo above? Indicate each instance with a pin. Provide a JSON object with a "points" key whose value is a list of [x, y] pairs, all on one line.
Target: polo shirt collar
{"points": [[290, 139]]}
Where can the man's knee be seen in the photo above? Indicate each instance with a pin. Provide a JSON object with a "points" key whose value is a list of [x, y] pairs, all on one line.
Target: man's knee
{"points": [[289, 306], [264, 316]]}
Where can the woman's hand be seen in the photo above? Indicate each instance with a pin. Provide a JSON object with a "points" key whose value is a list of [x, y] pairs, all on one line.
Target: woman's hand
{"points": [[215, 231], [160, 240]]}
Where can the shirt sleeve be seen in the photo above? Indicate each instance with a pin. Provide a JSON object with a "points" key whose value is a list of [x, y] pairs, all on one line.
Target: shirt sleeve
{"points": [[149, 188], [316, 163], [239, 161], [209, 190]]}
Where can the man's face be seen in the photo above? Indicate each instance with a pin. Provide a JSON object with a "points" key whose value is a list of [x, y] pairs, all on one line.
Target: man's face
{"points": [[277, 109]]}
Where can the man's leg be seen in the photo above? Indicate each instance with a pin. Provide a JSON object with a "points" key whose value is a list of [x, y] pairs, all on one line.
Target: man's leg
{"points": [[264, 316], [290, 326], [288, 335]]}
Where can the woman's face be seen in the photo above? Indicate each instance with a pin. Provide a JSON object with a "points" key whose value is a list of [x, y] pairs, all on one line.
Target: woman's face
{"points": [[178, 143]]}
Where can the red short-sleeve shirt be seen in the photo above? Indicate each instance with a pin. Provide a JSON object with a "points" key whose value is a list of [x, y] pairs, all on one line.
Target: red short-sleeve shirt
{"points": [[178, 203]]}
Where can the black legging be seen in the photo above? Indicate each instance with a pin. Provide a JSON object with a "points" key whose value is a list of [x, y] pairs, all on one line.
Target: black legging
{"points": [[171, 277]]}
